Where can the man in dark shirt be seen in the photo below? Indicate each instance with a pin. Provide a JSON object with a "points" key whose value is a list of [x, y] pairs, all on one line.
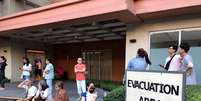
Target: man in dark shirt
{"points": [[2, 72]]}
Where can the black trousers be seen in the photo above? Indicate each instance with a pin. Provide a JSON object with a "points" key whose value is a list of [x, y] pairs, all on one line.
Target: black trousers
{"points": [[2, 79], [38, 72]]}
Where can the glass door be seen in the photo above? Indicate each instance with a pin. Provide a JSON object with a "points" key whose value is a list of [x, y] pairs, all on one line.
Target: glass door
{"points": [[36, 54], [99, 64]]}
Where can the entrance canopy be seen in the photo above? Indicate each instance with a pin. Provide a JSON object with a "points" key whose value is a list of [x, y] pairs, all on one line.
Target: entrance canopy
{"points": [[68, 12], [60, 34]]}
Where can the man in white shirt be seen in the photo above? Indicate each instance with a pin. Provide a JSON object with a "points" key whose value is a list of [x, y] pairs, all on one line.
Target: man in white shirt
{"points": [[30, 90], [172, 62]]}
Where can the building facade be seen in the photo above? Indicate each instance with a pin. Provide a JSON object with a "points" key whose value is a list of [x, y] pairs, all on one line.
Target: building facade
{"points": [[15, 49], [8, 7], [102, 31]]}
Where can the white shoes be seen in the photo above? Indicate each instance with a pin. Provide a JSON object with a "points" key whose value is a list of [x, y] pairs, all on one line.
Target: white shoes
{"points": [[2, 88]]}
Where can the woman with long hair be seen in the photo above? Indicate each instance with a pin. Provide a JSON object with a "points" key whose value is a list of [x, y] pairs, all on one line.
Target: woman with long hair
{"points": [[140, 62], [61, 94], [43, 93], [26, 69], [38, 69]]}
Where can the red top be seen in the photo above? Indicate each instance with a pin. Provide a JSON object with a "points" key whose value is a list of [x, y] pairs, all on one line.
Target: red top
{"points": [[80, 71]]}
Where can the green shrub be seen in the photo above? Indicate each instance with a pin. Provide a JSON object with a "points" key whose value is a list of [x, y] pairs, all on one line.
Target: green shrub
{"points": [[109, 86], [117, 94], [106, 85], [193, 93]]}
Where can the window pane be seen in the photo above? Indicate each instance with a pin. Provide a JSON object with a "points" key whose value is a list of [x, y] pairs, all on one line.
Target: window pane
{"points": [[158, 47]]}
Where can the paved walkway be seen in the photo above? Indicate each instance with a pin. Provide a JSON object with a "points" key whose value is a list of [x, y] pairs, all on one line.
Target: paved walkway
{"points": [[12, 91]]}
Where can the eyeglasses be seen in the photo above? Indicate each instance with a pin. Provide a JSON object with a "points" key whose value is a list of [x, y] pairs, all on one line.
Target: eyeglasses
{"points": [[170, 47]]}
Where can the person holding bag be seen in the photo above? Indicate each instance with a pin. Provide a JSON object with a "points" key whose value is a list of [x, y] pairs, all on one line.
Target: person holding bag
{"points": [[172, 62], [48, 73]]}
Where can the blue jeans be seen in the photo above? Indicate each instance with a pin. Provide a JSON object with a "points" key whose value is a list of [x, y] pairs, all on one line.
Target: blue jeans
{"points": [[49, 83], [81, 86]]}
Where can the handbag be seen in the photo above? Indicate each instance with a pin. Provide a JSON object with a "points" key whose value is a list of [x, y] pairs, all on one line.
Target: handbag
{"points": [[168, 63]]}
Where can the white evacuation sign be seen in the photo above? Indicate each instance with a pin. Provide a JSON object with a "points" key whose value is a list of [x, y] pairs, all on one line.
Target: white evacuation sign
{"points": [[154, 86]]}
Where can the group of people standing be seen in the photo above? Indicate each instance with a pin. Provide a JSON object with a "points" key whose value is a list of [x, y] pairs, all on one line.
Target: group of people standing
{"points": [[43, 92], [180, 61], [85, 91], [47, 73]]}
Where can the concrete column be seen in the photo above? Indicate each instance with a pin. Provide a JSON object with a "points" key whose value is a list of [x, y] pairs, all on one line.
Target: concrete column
{"points": [[40, 2], [1, 8], [54, 1], [12, 6]]}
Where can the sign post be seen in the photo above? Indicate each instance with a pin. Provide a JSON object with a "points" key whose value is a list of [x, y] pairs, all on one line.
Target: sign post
{"points": [[155, 86]]}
